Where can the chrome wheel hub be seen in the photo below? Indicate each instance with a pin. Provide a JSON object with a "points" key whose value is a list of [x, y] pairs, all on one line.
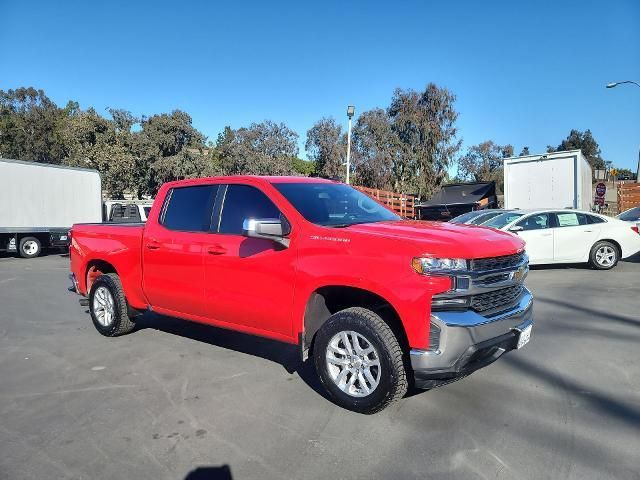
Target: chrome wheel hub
{"points": [[353, 363], [605, 256], [30, 247], [103, 307]]}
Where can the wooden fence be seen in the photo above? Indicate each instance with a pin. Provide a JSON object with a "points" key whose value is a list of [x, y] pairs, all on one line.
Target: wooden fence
{"points": [[628, 196], [400, 203]]}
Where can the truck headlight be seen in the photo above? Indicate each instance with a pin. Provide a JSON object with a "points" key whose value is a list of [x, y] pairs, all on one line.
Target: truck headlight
{"points": [[427, 265]]}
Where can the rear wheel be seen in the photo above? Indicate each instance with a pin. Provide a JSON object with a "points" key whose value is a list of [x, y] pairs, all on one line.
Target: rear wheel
{"points": [[604, 256], [108, 306], [360, 361], [29, 247]]}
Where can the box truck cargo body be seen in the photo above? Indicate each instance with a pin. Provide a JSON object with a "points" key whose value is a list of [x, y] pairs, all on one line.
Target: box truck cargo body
{"points": [[551, 180], [39, 203]]}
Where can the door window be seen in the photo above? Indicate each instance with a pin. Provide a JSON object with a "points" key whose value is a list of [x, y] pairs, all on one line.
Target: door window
{"points": [[189, 208], [571, 219], [535, 222], [241, 202]]}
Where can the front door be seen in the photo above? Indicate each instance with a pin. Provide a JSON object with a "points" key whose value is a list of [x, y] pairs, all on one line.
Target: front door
{"points": [[248, 281], [538, 236]]}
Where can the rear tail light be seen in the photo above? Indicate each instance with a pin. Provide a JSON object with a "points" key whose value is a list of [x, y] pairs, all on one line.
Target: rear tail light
{"points": [[636, 229]]}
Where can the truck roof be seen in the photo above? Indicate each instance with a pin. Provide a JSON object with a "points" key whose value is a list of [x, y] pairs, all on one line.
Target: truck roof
{"points": [[266, 178]]}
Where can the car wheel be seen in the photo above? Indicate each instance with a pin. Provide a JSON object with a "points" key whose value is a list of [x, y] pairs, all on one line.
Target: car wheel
{"points": [[29, 247], [604, 256], [359, 361], [108, 306]]}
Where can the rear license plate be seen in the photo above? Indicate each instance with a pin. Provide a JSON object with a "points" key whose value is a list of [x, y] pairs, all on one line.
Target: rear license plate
{"points": [[524, 337], [63, 237]]}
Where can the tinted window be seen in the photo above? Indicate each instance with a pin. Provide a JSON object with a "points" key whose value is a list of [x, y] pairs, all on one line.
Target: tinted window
{"points": [[630, 215], [502, 220], [334, 204], [535, 222], [241, 202], [571, 219], [466, 217], [189, 208], [485, 217], [147, 211]]}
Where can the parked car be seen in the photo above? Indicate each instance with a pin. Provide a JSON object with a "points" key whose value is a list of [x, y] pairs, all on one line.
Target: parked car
{"points": [[477, 217], [377, 301], [126, 211], [631, 215], [570, 236]]}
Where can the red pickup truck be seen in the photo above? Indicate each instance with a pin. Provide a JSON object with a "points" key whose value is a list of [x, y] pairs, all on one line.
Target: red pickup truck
{"points": [[379, 302]]}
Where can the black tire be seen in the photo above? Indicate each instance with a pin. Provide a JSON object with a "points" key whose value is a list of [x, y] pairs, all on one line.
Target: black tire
{"points": [[25, 247], [120, 322], [393, 383], [595, 260]]}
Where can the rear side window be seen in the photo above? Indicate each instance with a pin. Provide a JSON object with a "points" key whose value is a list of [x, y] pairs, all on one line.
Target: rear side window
{"points": [[571, 219], [189, 208], [594, 219], [241, 202]]}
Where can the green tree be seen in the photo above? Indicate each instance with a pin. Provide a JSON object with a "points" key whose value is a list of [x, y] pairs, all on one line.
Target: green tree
{"points": [[376, 150], [585, 142], [31, 126], [327, 147], [524, 151], [94, 142], [264, 148], [483, 162], [168, 147], [303, 167], [425, 123]]}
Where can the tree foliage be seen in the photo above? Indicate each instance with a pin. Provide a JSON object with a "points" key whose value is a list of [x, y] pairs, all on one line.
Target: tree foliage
{"points": [[326, 145], [585, 142], [483, 163]]}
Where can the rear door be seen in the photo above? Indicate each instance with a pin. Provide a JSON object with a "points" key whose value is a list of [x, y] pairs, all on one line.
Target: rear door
{"points": [[248, 281], [173, 264], [574, 236], [538, 236]]}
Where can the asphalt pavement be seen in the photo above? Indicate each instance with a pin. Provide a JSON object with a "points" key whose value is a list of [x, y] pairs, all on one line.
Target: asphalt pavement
{"points": [[176, 400]]}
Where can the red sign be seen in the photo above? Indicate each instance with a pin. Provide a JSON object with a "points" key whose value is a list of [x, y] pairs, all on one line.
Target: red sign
{"points": [[601, 189]]}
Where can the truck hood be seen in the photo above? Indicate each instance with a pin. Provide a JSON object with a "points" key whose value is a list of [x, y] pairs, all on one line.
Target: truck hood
{"points": [[445, 239]]}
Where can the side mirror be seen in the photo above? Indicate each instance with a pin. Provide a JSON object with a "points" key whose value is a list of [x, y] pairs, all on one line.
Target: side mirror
{"points": [[273, 229], [516, 228]]}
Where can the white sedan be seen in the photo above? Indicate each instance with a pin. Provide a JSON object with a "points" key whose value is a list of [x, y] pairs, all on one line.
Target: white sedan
{"points": [[570, 236]]}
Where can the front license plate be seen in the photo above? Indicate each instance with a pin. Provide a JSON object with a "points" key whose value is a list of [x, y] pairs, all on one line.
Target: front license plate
{"points": [[524, 337]]}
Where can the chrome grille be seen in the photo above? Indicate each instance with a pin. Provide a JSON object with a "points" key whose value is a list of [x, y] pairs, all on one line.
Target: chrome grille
{"points": [[496, 298], [496, 263]]}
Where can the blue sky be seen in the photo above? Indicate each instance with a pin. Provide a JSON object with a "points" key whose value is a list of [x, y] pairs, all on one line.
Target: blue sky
{"points": [[523, 74]]}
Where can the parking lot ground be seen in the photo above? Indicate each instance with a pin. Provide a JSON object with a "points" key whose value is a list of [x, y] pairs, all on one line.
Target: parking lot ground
{"points": [[177, 400]]}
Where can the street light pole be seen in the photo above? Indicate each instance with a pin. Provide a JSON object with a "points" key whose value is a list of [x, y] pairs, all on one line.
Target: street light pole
{"points": [[350, 111], [615, 84]]}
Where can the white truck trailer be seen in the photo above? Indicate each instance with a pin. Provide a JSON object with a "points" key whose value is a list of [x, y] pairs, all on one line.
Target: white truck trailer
{"points": [[39, 203], [550, 180]]}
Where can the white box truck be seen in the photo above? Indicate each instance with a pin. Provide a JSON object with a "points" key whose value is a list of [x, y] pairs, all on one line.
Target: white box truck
{"points": [[550, 180], [39, 203]]}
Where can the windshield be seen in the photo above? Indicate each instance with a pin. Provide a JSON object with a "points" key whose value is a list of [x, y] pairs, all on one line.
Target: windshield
{"points": [[465, 217], [502, 220], [630, 215], [333, 204], [481, 219]]}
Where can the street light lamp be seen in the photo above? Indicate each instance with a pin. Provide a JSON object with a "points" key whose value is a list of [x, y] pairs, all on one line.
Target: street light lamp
{"points": [[350, 112], [615, 84]]}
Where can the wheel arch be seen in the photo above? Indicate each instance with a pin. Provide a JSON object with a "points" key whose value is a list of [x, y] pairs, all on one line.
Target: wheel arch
{"points": [[612, 241], [329, 299], [94, 269]]}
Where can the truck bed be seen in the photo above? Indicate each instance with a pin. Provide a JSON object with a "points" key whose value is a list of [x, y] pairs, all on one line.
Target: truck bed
{"points": [[117, 244]]}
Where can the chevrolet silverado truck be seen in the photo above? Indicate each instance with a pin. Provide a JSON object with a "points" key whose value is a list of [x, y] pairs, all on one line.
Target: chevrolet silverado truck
{"points": [[378, 302]]}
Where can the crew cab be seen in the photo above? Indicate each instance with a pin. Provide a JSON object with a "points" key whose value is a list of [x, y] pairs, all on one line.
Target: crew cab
{"points": [[378, 302]]}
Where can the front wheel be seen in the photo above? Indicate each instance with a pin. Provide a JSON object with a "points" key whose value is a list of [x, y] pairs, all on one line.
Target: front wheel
{"points": [[360, 361], [29, 247], [604, 256]]}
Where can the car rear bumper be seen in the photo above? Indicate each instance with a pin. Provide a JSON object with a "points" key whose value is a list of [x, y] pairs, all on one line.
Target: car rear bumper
{"points": [[469, 341]]}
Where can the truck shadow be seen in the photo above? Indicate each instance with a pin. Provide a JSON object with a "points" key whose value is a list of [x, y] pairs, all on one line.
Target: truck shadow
{"points": [[284, 354]]}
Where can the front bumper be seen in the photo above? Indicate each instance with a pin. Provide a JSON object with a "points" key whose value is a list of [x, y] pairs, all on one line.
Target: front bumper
{"points": [[469, 341]]}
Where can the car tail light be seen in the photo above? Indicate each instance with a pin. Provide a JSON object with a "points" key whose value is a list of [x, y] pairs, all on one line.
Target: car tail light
{"points": [[636, 229]]}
